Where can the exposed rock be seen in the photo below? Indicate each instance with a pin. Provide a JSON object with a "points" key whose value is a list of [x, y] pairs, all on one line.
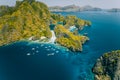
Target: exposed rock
{"points": [[107, 67], [27, 19], [68, 39], [31, 20]]}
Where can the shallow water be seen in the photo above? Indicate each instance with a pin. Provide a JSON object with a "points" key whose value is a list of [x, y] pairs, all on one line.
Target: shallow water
{"points": [[104, 36]]}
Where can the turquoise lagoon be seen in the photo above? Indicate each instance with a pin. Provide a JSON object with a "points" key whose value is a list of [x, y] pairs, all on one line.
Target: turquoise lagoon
{"points": [[38, 61]]}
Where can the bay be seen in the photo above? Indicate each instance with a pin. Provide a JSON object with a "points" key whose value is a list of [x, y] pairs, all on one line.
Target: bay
{"points": [[37, 61]]}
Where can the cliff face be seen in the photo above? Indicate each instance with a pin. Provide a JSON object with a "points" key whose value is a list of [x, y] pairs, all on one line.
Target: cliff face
{"points": [[31, 20], [68, 39], [71, 40], [107, 67], [28, 18]]}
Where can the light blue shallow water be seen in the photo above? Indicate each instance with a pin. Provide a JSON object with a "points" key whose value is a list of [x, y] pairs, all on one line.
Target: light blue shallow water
{"points": [[104, 36]]}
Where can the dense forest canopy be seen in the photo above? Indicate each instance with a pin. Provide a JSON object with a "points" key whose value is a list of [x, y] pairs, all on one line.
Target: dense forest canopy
{"points": [[30, 18]]}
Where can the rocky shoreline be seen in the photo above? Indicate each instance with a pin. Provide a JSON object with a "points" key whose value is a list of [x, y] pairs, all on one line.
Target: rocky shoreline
{"points": [[31, 20], [107, 67]]}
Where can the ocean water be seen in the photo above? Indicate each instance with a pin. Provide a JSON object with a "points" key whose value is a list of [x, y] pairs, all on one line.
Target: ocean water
{"points": [[38, 61]]}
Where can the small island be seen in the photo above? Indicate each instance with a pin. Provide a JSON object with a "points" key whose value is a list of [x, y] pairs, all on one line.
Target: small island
{"points": [[107, 66], [31, 20]]}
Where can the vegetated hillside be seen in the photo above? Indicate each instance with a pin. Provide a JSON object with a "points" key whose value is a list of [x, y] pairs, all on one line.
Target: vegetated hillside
{"points": [[28, 18], [31, 20], [68, 39], [107, 66], [71, 40]]}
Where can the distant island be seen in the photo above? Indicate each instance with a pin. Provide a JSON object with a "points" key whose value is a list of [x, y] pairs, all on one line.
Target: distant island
{"points": [[114, 10], [73, 8], [31, 20]]}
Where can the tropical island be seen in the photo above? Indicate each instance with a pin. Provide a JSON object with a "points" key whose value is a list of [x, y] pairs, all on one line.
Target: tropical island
{"points": [[31, 20], [73, 8], [107, 66]]}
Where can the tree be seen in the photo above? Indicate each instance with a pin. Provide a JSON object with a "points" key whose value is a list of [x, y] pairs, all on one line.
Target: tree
{"points": [[30, 1]]}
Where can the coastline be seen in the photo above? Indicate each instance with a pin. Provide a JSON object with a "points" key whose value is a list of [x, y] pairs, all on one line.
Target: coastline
{"points": [[39, 42]]}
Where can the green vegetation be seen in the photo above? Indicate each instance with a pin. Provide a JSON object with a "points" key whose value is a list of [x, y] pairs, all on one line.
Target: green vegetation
{"points": [[107, 67], [73, 41], [6, 10], [115, 53], [68, 39], [30, 20], [70, 21]]}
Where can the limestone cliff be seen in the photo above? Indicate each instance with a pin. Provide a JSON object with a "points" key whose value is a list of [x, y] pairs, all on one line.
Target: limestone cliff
{"points": [[31, 20], [28, 18], [107, 66]]}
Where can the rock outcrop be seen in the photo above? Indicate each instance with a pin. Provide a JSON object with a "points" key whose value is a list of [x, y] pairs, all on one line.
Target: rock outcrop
{"points": [[107, 67], [28, 18], [31, 20], [68, 39]]}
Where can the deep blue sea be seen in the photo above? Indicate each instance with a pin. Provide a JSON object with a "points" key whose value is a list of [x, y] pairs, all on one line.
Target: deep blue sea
{"points": [[33, 61]]}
